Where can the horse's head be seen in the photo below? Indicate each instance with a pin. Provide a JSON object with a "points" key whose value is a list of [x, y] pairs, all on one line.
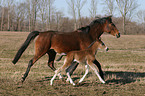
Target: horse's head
{"points": [[110, 27]]}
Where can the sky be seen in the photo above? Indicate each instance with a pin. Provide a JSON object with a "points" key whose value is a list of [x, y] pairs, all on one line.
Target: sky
{"points": [[62, 6]]}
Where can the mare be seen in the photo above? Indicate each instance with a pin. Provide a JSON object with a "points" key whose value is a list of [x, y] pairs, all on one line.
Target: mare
{"points": [[85, 56], [50, 42]]}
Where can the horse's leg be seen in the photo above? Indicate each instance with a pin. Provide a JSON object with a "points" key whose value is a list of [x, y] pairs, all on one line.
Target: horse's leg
{"points": [[31, 62], [57, 72], [91, 64], [71, 69], [86, 72], [65, 65], [52, 55], [99, 67], [27, 71], [69, 77]]}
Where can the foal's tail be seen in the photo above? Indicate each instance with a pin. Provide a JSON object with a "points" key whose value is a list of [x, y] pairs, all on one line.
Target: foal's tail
{"points": [[59, 58], [30, 37]]}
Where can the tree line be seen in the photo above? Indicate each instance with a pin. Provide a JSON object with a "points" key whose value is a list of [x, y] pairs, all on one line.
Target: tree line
{"points": [[42, 15]]}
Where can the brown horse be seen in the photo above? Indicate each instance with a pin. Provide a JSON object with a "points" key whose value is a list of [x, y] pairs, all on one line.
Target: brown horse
{"points": [[51, 42]]}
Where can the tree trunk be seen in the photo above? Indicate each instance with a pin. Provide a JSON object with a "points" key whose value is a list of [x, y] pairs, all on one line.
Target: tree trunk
{"points": [[29, 22], [49, 18], [2, 21], [80, 20], [8, 21], [124, 25]]}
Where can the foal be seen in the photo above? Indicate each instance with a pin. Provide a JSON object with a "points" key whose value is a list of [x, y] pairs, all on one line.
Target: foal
{"points": [[86, 56]]}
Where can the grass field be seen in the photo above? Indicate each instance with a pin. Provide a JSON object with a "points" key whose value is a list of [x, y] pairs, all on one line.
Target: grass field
{"points": [[123, 65]]}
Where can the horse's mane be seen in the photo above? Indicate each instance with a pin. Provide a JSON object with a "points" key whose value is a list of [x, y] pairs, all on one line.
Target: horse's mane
{"points": [[84, 29], [99, 20]]}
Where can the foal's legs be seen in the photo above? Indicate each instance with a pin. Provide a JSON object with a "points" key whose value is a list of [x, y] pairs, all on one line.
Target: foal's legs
{"points": [[91, 64], [87, 70], [69, 78], [99, 67], [72, 67], [65, 65]]}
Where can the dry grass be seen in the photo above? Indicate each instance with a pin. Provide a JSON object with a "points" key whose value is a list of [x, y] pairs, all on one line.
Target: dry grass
{"points": [[123, 64]]}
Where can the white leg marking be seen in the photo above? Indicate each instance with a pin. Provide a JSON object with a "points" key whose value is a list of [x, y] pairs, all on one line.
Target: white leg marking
{"points": [[86, 72], [51, 82], [59, 75], [71, 81], [99, 77], [67, 80], [96, 72]]}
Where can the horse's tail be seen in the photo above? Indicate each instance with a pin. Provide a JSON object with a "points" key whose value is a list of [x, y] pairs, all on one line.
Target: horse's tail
{"points": [[30, 37]]}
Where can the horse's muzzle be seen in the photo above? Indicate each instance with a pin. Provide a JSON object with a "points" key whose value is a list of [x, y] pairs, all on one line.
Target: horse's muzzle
{"points": [[107, 49], [118, 35]]}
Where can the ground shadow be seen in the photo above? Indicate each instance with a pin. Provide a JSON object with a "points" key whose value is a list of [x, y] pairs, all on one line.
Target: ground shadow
{"points": [[122, 77], [111, 77]]}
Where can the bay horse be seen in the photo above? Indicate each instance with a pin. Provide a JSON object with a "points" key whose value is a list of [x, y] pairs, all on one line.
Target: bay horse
{"points": [[85, 56], [50, 42]]}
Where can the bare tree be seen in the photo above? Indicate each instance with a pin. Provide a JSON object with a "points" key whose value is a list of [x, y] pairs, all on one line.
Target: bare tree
{"points": [[9, 4], [29, 13], [79, 6], [43, 12], [58, 16], [50, 11], [126, 7], [93, 8], [72, 11], [34, 12], [2, 13], [141, 17], [32, 9], [110, 7], [20, 13]]}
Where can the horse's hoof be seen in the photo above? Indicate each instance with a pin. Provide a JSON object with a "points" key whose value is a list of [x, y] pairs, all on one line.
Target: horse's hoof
{"points": [[73, 84], [20, 83], [51, 84], [103, 82]]}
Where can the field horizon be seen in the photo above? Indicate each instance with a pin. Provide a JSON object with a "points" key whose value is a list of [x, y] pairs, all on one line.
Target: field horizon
{"points": [[123, 66]]}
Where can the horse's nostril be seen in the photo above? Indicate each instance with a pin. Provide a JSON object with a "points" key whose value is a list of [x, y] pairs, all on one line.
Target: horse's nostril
{"points": [[118, 35], [107, 49]]}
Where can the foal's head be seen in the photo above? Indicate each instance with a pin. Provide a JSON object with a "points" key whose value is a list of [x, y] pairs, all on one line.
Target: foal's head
{"points": [[98, 44]]}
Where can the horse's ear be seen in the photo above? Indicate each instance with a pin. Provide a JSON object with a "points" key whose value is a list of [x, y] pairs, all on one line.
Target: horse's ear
{"points": [[84, 29], [87, 29], [110, 18], [97, 17]]}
